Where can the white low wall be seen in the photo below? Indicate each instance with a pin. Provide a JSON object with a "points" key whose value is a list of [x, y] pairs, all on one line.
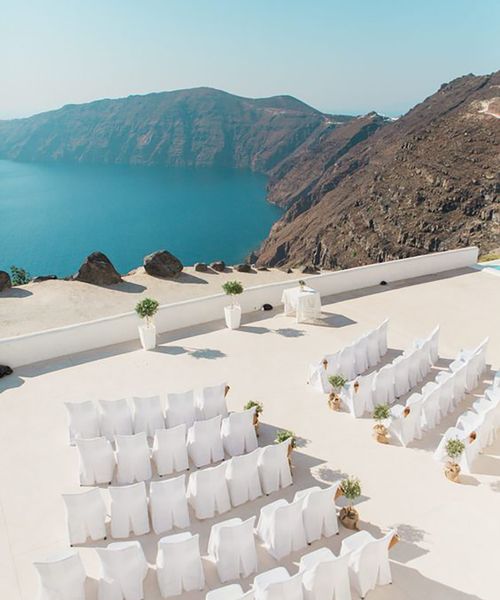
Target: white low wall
{"points": [[34, 347]]}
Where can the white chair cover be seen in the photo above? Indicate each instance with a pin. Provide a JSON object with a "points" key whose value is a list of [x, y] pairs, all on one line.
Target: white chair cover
{"points": [[459, 370], [333, 363], [180, 409], [133, 458], [129, 510], [347, 362], [325, 576], [242, 477], [97, 460], [123, 570], [447, 391], [281, 528], [277, 584], [274, 469], [361, 355], [178, 564], [228, 592], [406, 425], [384, 386], [318, 378], [361, 401], [401, 375], [169, 450], [211, 401], [148, 415], [168, 504], [62, 577], [232, 547], [414, 358], [116, 418], [207, 492], [382, 337], [85, 516], [373, 348], [238, 433], [319, 512], [83, 420], [204, 442], [430, 407]]}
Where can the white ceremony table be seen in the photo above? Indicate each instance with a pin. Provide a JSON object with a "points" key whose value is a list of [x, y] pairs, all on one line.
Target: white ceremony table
{"points": [[304, 303]]}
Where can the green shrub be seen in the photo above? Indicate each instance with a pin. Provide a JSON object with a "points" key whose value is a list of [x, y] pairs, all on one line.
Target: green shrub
{"points": [[454, 448], [259, 407], [283, 435], [337, 381], [19, 276], [381, 412], [232, 288], [351, 488], [147, 309]]}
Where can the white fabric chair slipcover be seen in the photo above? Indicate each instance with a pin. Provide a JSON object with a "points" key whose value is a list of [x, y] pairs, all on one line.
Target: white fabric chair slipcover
{"points": [[211, 401], [325, 576], [148, 415], [85, 516], [169, 450], [232, 547], [207, 492], [62, 577], [319, 511], [274, 469], [116, 418], [361, 355], [238, 433], [431, 415], [347, 362], [97, 460], [384, 386], [168, 504], [133, 458], [204, 442], [123, 570], [129, 510], [447, 392], [180, 409], [277, 584], [361, 401], [407, 427], [281, 528], [242, 477], [459, 370], [401, 375], [382, 337], [178, 564], [373, 349], [83, 420], [229, 592], [368, 560]]}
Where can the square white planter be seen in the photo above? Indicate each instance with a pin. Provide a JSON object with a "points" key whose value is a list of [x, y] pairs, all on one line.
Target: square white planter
{"points": [[233, 316], [147, 333]]}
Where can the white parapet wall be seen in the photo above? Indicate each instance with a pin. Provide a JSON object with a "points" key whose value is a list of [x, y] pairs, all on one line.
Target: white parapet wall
{"points": [[34, 347]]}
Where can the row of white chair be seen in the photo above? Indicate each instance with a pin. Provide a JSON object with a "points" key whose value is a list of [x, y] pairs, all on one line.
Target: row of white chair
{"points": [[116, 417], [206, 442], [424, 411], [209, 491], [365, 352], [394, 379]]}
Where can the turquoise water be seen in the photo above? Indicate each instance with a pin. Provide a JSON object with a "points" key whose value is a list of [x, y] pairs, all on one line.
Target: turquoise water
{"points": [[53, 215]]}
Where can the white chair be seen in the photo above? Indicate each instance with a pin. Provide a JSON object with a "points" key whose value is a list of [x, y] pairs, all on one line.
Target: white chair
{"points": [[133, 458], [281, 528], [384, 386], [274, 469], [318, 378], [97, 460], [168, 504], [83, 420], [325, 576], [414, 358], [62, 577], [230, 592], [368, 560], [401, 375], [204, 442], [129, 510], [207, 492], [178, 564], [180, 409], [332, 363], [382, 337], [459, 370], [406, 420], [148, 415], [232, 548], [169, 450], [116, 418], [211, 401], [238, 433], [347, 362], [123, 570], [373, 349], [319, 511], [430, 406], [85, 516], [361, 355], [359, 399], [277, 584], [242, 477]]}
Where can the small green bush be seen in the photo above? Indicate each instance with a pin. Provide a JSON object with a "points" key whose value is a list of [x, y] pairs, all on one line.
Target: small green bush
{"points": [[337, 381], [487, 257], [19, 276], [232, 288], [259, 407], [283, 435], [147, 308], [454, 448], [351, 488], [381, 412]]}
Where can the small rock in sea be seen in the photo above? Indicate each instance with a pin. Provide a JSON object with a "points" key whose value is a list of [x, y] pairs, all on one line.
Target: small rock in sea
{"points": [[201, 267], [40, 278], [162, 264], [98, 270], [244, 268], [218, 265], [5, 370], [308, 270], [5, 282]]}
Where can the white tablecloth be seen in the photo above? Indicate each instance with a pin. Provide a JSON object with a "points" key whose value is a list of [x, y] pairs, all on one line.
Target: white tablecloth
{"points": [[304, 303]]}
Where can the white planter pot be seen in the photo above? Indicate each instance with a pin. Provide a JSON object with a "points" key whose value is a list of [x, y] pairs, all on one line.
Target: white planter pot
{"points": [[233, 316], [147, 333]]}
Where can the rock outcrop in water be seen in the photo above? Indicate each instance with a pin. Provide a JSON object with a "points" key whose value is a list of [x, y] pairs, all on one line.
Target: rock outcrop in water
{"points": [[162, 264], [98, 270]]}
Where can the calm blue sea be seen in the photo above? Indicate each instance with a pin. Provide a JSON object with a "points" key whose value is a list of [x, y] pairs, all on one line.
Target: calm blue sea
{"points": [[53, 215]]}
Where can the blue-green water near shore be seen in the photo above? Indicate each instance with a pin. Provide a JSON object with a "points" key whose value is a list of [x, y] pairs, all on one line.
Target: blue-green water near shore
{"points": [[53, 215]]}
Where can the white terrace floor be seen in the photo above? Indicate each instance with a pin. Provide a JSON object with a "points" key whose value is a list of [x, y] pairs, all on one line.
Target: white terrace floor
{"points": [[450, 546]]}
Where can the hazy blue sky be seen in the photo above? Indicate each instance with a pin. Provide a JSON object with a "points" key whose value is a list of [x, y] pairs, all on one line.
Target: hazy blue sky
{"points": [[350, 56]]}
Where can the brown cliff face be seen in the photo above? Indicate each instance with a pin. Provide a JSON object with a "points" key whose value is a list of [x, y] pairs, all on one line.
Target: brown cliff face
{"points": [[426, 182]]}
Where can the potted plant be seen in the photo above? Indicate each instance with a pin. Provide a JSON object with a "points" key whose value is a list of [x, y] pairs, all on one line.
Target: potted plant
{"points": [[351, 489], [233, 312], [146, 309], [337, 382], [259, 407], [381, 413], [302, 284], [454, 449], [283, 435]]}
